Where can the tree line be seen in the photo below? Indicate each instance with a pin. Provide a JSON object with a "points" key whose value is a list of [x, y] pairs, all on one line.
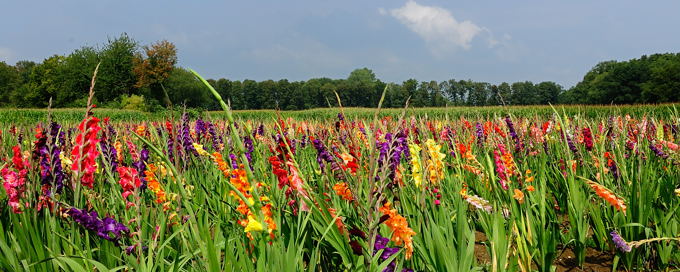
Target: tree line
{"points": [[146, 77]]}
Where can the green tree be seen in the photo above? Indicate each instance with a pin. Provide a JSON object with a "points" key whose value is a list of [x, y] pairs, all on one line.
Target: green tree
{"points": [[115, 76], [45, 81], [421, 97], [361, 88], [479, 93], [76, 78], [664, 80], [9, 80], [184, 88], [548, 92]]}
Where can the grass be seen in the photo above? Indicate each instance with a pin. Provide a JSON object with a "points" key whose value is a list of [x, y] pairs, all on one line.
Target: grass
{"points": [[69, 115], [426, 189]]}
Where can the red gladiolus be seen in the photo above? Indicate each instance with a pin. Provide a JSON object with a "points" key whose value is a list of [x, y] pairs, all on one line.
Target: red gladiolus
{"points": [[129, 180], [14, 182], [85, 151], [279, 171], [588, 139]]}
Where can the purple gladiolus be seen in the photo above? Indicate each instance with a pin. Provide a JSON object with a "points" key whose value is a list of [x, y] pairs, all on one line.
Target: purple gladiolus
{"points": [[571, 144], [140, 165], [248, 143], [260, 130], [216, 139], [185, 137], [107, 228], [323, 155], [513, 134], [200, 128], [481, 138], [659, 153], [619, 242], [57, 141], [234, 161], [109, 152], [381, 243], [614, 170]]}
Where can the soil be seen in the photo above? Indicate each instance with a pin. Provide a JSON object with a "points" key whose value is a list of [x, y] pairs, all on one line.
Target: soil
{"points": [[595, 261]]}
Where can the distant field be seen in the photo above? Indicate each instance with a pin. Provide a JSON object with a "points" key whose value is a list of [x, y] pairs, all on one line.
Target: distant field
{"points": [[588, 111]]}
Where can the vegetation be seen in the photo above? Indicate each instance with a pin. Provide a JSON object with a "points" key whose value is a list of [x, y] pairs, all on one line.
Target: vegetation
{"points": [[150, 73], [133, 112], [357, 192]]}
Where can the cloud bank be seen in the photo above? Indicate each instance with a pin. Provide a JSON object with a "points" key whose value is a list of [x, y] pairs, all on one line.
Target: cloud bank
{"points": [[437, 26]]}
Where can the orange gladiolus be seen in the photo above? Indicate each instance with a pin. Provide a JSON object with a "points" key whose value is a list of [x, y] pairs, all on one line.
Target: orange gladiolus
{"points": [[401, 233], [343, 190], [608, 195]]}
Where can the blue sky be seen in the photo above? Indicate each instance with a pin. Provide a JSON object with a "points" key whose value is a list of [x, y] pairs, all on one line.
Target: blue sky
{"points": [[491, 41]]}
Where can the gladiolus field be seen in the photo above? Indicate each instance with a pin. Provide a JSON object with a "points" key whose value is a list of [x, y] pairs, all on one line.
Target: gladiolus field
{"points": [[589, 189]]}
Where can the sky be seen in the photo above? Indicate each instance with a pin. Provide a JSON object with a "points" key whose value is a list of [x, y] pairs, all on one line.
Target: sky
{"points": [[491, 41]]}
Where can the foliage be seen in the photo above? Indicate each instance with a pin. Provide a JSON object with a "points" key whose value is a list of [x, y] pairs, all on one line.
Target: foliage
{"points": [[343, 189], [648, 79], [116, 77], [130, 69], [154, 67], [133, 102]]}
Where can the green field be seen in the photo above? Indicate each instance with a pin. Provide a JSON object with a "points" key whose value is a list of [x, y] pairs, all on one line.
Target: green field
{"points": [[28, 116], [536, 188]]}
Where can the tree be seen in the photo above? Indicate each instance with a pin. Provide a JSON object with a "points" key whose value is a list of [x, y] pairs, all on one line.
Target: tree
{"points": [[664, 81], [9, 79], [548, 92], [184, 88], [524, 93], [115, 76], [251, 93], [154, 67], [479, 92], [421, 97], [361, 88], [24, 69], [76, 77], [45, 81]]}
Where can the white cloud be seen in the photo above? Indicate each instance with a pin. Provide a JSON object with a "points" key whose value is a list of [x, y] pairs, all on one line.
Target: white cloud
{"points": [[6, 55], [438, 27]]}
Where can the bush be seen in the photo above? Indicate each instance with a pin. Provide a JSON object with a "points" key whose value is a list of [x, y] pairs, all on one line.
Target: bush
{"points": [[133, 102]]}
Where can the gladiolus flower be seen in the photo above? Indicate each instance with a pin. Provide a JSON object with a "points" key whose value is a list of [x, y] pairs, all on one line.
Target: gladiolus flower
{"points": [[200, 150], [607, 195], [619, 242], [14, 182], [85, 151], [435, 165], [129, 180], [349, 163], [416, 167], [401, 233], [519, 196], [588, 138], [342, 190], [106, 228], [154, 185], [479, 203], [253, 225]]}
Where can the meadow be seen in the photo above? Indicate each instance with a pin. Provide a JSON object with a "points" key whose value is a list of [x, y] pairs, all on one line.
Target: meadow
{"points": [[9, 116], [437, 189]]}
